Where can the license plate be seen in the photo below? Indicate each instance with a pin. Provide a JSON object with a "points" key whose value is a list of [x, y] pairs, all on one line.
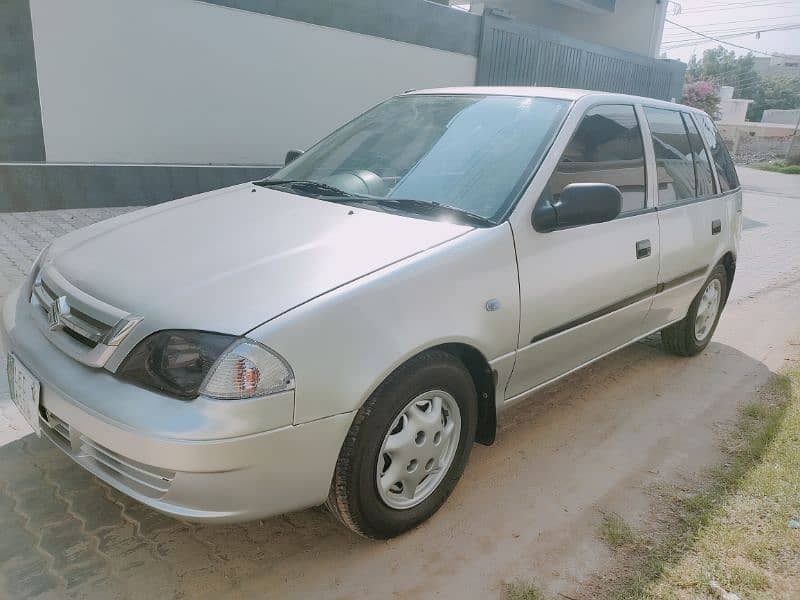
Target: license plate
{"points": [[25, 390]]}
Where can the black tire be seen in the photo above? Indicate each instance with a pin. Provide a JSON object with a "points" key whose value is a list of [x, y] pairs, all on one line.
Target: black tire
{"points": [[354, 498], [680, 338]]}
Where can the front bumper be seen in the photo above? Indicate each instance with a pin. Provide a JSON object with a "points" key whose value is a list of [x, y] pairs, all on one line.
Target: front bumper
{"points": [[199, 460]]}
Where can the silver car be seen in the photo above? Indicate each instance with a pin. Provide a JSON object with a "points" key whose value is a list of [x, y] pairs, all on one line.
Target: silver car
{"points": [[344, 331]]}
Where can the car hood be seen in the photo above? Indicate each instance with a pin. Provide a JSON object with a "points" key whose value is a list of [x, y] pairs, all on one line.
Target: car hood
{"points": [[232, 259]]}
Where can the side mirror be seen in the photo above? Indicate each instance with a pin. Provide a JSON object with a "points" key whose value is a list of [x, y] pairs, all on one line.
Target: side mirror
{"points": [[291, 155], [578, 204]]}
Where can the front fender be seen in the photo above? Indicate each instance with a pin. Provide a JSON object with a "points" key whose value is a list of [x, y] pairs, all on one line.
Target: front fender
{"points": [[343, 344]]}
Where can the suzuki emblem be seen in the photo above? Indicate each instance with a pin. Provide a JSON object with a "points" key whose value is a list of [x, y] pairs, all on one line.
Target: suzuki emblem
{"points": [[57, 310]]}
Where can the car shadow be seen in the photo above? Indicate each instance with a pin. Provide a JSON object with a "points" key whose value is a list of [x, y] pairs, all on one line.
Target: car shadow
{"points": [[595, 438]]}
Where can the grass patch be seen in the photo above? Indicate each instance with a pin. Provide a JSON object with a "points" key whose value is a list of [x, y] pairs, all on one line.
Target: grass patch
{"points": [[616, 532], [778, 166], [520, 590], [735, 530]]}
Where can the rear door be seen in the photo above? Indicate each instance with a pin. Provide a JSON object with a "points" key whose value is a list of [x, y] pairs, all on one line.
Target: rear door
{"points": [[586, 290], [691, 213]]}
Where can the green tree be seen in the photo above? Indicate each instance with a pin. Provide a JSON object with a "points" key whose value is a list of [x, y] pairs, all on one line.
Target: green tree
{"points": [[774, 92], [723, 67]]}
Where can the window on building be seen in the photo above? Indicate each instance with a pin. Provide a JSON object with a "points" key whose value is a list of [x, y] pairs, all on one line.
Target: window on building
{"points": [[702, 165], [726, 171], [674, 162], [606, 148]]}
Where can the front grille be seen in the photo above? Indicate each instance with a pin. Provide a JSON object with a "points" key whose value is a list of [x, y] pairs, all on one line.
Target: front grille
{"points": [[81, 326], [148, 480], [58, 428]]}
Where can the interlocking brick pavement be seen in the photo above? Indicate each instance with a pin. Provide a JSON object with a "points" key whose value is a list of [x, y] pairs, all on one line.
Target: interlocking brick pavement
{"points": [[24, 234]]}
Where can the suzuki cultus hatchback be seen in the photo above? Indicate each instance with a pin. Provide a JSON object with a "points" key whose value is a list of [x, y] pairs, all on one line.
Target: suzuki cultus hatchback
{"points": [[344, 331]]}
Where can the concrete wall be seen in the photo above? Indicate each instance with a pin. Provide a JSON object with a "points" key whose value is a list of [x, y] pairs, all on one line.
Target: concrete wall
{"points": [[733, 111], [20, 119], [422, 22], [754, 142], [192, 82], [43, 186], [633, 25], [784, 117]]}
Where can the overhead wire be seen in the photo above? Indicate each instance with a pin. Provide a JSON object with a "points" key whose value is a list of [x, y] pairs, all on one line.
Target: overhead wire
{"points": [[682, 38], [734, 6], [721, 40], [730, 32]]}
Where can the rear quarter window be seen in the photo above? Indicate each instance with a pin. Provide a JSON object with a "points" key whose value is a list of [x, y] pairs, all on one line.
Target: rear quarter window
{"points": [[726, 171]]}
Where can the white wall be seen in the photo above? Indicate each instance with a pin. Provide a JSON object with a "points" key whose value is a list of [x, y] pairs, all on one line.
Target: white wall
{"points": [[180, 81], [733, 111]]}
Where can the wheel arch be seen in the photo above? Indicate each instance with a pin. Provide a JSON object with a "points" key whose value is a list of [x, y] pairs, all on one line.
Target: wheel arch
{"points": [[484, 378]]}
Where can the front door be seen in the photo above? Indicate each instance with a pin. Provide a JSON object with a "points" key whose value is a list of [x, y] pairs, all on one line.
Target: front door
{"points": [[586, 290]]}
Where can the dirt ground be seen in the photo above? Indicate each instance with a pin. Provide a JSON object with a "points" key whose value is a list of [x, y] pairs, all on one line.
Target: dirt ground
{"points": [[528, 507]]}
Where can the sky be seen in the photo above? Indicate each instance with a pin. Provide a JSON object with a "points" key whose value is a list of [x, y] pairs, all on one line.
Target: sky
{"points": [[718, 18]]}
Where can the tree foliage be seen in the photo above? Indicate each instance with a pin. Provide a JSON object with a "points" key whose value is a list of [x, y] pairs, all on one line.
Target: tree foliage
{"points": [[775, 92], [722, 67]]}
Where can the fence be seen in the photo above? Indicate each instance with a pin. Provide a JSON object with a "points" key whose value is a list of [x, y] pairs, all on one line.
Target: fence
{"points": [[515, 53]]}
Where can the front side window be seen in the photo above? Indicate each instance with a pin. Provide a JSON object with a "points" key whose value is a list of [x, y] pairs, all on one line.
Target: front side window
{"points": [[726, 171], [606, 148], [674, 160], [702, 165], [472, 152]]}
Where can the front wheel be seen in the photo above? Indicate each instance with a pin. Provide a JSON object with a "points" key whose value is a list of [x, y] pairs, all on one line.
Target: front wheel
{"points": [[407, 447], [691, 335]]}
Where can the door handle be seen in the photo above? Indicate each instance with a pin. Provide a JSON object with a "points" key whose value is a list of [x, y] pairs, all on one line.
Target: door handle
{"points": [[716, 226], [642, 249]]}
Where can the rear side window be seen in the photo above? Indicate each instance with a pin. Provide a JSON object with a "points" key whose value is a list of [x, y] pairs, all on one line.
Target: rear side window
{"points": [[674, 162], [606, 148], [726, 172], [702, 165]]}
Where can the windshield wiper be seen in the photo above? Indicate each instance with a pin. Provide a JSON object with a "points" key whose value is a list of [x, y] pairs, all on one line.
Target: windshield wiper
{"points": [[315, 187], [334, 194], [423, 206]]}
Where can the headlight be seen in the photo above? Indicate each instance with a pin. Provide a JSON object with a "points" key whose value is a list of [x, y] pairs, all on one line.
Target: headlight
{"points": [[187, 364]]}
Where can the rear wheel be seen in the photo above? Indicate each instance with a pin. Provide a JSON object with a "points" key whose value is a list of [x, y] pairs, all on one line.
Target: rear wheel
{"points": [[407, 447], [691, 335]]}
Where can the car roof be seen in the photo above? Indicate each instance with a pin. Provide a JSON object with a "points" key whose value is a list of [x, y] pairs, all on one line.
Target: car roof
{"points": [[552, 92]]}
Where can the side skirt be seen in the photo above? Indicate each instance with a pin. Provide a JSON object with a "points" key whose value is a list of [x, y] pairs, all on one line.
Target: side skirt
{"points": [[521, 396]]}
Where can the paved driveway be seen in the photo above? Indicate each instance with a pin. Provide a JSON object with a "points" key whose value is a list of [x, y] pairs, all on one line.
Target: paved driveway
{"points": [[527, 507]]}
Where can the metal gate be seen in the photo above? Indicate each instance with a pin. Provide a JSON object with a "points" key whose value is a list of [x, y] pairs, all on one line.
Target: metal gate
{"points": [[515, 53]]}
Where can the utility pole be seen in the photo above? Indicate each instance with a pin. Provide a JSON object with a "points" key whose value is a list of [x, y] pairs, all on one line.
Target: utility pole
{"points": [[793, 157]]}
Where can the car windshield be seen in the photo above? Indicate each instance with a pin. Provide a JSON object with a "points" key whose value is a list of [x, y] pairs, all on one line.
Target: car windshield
{"points": [[473, 153]]}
